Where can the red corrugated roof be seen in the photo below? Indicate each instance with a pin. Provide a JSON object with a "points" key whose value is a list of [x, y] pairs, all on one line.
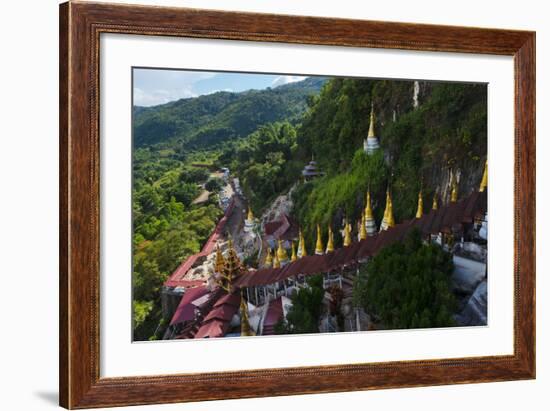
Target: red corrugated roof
{"points": [[186, 310], [212, 329], [273, 316]]}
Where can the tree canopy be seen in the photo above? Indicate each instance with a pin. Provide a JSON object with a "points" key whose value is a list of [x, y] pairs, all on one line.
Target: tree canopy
{"points": [[407, 285], [303, 317]]}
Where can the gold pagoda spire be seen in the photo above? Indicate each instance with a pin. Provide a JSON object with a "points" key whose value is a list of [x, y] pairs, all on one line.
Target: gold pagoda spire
{"points": [[269, 258], [250, 216], [220, 261], [330, 241], [276, 261], [434, 202], [454, 188], [347, 234], [302, 246], [246, 330], [484, 179], [293, 257], [384, 223], [454, 193], [319, 245], [420, 208], [391, 221], [363, 229], [371, 125], [368, 207], [281, 252], [388, 220], [387, 204]]}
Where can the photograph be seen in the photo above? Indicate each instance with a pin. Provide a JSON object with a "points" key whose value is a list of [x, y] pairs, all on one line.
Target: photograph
{"points": [[268, 204]]}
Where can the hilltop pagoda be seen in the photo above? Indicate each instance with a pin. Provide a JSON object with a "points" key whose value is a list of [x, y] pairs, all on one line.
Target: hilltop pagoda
{"points": [[370, 144], [311, 171]]}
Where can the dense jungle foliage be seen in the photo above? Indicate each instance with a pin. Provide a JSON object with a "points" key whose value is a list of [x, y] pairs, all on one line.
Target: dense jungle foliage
{"points": [[407, 285]]}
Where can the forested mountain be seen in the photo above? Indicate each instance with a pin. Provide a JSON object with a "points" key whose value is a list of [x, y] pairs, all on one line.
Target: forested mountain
{"points": [[208, 120]]}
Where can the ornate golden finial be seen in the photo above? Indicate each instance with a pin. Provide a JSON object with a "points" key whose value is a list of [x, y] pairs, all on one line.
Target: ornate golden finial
{"points": [[371, 125], [246, 330], [434, 202], [269, 258], [250, 216], [330, 241], [319, 244], [347, 234], [368, 207], [276, 261], [363, 229], [281, 252], [220, 261], [231, 269], [420, 208], [484, 179], [293, 257]]}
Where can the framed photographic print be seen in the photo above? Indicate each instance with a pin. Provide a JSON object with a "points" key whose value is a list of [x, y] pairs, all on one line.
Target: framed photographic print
{"points": [[256, 205]]}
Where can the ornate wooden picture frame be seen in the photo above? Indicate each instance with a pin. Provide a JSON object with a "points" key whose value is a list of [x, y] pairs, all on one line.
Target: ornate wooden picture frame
{"points": [[81, 25]]}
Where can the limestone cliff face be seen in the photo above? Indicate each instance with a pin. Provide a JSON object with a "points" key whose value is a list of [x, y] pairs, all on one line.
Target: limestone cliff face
{"points": [[281, 205]]}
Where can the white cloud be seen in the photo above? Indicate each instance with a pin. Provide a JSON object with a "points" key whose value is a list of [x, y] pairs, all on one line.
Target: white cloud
{"points": [[155, 97], [157, 86], [279, 81]]}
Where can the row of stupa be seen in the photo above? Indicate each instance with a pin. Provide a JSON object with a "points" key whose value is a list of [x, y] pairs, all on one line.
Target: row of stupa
{"points": [[367, 227]]}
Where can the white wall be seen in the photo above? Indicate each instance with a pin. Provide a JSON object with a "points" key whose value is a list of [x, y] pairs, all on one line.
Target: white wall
{"points": [[28, 204]]}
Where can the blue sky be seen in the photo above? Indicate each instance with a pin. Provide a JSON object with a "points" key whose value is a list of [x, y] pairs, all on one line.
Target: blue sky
{"points": [[154, 86]]}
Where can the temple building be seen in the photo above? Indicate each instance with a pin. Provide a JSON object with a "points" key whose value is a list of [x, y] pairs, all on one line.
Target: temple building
{"points": [[370, 144], [247, 301], [311, 171], [370, 224]]}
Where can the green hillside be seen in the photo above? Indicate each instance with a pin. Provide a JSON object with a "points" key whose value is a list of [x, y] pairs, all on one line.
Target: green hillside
{"points": [[206, 121]]}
